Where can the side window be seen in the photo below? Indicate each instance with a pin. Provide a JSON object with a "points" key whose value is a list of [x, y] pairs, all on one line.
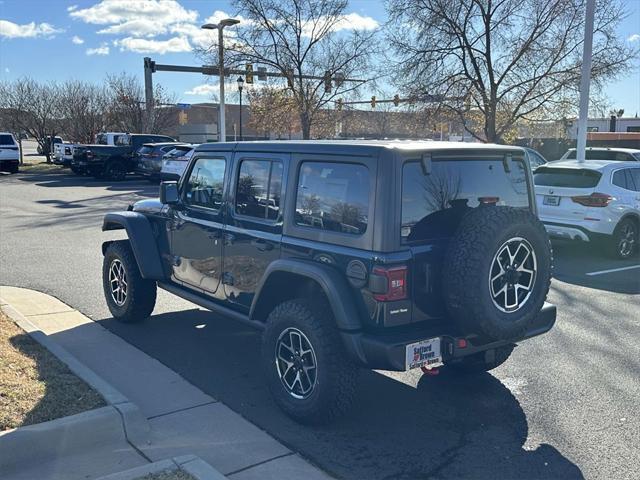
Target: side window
{"points": [[333, 196], [633, 179], [620, 179], [205, 184], [259, 188]]}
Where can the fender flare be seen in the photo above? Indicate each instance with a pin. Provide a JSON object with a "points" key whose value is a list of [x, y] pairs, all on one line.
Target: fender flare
{"points": [[141, 238], [332, 283]]}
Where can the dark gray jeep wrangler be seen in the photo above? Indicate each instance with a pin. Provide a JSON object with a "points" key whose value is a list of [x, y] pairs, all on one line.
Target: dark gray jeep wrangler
{"points": [[384, 255]]}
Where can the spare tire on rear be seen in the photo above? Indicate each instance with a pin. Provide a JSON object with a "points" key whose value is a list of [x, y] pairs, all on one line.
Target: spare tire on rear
{"points": [[497, 272]]}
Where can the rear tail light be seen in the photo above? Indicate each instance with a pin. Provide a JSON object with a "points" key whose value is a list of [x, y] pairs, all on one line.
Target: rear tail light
{"points": [[594, 200], [396, 282]]}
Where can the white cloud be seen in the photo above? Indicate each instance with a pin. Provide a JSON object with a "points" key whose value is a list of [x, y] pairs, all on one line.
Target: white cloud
{"points": [[101, 50], [350, 21], [28, 30], [107, 12], [220, 15], [204, 90], [6, 70], [77, 40], [142, 45], [634, 38], [141, 27], [198, 36], [71, 8]]}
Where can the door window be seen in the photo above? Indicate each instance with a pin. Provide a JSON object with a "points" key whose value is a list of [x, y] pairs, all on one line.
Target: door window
{"points": [[634, 173], [259, 188], [205, 184], [333, 196]]}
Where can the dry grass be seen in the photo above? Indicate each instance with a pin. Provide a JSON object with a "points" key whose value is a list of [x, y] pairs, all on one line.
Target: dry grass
{"points": [[34, 385], [170, 475], [39, 166]]}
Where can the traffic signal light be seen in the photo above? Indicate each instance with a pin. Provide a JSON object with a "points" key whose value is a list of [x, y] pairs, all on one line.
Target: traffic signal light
{"points": [[373, 101], [396, 100], [327, 81], [339, 104], [248, 77]]}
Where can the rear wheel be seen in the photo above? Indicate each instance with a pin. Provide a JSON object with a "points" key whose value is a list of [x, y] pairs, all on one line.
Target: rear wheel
{"points": [[130, 297], [115, 170], [626, 237], [308, 372]]}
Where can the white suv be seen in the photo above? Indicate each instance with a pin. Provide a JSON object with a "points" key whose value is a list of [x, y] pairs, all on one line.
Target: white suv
{"points": [[9, 153], [598, 200], [605, 153]]}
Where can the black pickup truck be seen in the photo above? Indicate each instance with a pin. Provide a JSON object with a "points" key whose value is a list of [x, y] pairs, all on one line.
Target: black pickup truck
{"points": [[112, 162]]}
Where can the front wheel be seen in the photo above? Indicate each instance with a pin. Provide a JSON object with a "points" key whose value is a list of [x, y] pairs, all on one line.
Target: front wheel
{"points": [[130, 297], [308, 371], [625, 239], [115, 170]]}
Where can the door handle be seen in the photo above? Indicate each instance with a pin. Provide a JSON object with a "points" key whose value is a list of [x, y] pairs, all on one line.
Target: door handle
{"points": [[263, 245]]}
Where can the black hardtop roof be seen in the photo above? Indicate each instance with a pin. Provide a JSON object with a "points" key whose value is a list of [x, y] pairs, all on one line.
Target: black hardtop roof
{"points": [[351, 147], [161, 144]]}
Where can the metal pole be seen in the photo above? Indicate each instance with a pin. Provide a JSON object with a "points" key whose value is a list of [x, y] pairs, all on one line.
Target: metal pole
{"points": [[240, 113], [222, 136], [585, 80], [148, 92]]}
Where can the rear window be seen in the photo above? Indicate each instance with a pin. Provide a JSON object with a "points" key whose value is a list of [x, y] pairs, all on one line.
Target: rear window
{"points": [[566, 177], [333, 197], [433, 204], [6, 140], [145, 150], [603, 155]]}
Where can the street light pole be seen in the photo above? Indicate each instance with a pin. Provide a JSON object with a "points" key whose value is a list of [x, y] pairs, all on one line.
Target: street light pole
{"points": [[585, 80], [240, 84], [222, 136]]}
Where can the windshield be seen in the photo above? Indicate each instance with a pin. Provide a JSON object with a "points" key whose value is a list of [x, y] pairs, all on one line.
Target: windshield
{"points": [[123, 140], [6, 140]]}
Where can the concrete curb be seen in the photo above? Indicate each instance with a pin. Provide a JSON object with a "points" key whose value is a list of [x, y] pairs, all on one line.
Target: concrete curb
{"points": [[134, 427], [191, 464], [57, 438]]}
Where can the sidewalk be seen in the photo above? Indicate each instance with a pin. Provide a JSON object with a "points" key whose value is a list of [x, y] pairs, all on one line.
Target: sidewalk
{"points": [[183, 420]]}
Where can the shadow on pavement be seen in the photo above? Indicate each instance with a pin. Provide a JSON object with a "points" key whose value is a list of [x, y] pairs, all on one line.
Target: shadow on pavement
{"points": [[573, 261], [445, 427]]}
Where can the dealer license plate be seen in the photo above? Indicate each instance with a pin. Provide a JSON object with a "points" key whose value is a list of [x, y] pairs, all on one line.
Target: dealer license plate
{"points": [[553, 200], [425, 353]]}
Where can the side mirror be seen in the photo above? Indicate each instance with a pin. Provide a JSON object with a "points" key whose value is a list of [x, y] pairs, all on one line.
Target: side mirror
{"points": [[169, 193]]}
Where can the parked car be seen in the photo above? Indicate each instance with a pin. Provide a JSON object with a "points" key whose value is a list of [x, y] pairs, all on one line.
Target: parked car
{"points": [[112, 162], [49, 143], [9, 153], [535, 159], [175, 162], [605, 153], [149, 159], [63, 153], [384, 255], [595, 201]]}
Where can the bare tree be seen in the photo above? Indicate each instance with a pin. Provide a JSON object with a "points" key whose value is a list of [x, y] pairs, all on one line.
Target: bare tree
{"points": [[126, 110], [273, 111], [82, 107], [505, 59], [33, 108], [298, 38]]}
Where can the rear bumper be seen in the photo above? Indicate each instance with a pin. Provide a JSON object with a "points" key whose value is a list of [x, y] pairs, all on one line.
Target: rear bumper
{"points": [[577, 232], [387, 351]]}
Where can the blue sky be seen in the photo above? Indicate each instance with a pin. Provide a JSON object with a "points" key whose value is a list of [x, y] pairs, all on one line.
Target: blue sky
{"points": [[86, 39]]}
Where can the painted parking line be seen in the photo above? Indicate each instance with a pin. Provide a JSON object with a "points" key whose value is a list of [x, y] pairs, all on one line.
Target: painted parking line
{"points": [[621, 269]]}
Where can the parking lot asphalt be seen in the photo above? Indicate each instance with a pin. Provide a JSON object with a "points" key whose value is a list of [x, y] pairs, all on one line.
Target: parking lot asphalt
{"points": [[564, 406]]}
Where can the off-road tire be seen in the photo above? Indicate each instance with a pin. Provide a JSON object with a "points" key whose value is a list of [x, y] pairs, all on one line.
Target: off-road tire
{"points": [[467, 266], [141, 293], [115, 170], [76, 170], [612, 244], [477, 363], [336, 383]]}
